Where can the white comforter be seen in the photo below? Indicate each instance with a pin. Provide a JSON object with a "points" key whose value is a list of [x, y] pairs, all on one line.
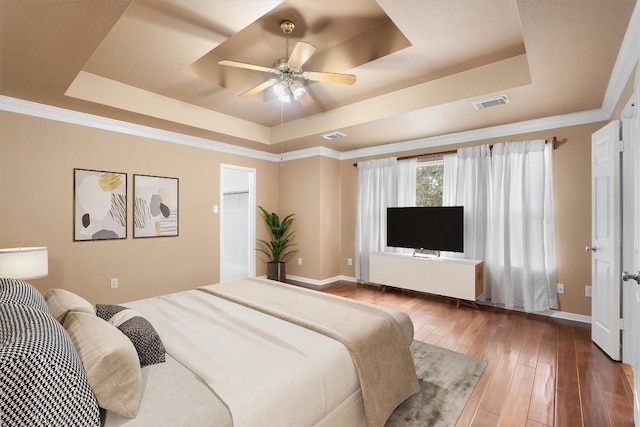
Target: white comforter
{"points": [[274, 374]]}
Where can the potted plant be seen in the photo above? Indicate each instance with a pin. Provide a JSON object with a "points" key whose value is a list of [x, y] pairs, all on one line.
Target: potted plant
{"points": [[279, 247]]}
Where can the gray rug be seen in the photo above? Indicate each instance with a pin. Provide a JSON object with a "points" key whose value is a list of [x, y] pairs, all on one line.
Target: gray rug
{"points": [[447, 379]]}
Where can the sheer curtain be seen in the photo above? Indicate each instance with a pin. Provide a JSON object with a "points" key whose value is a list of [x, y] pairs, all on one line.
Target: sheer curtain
{"points": [[377, 190], [465, 183], [407, 182], [507, 196], [406, 191], [520, 252], [449, 179]]}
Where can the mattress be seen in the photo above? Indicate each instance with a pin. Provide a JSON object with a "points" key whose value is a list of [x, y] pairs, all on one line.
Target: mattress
{"points": [[239, 366]]}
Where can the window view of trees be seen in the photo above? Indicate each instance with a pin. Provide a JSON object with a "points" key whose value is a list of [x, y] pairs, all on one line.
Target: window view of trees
{"points": [[429, 183]]}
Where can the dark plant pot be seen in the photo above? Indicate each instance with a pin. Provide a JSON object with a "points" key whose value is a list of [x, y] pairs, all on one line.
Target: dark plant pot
{"points": [[276, 271]]}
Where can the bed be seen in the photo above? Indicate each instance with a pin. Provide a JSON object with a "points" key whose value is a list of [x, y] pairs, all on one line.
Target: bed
{"points": [[246, 353]]}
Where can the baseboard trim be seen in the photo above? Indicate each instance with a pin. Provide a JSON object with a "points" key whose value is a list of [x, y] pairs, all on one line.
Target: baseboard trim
{"points": [[321, 283], [569, 316], [556, 314]]}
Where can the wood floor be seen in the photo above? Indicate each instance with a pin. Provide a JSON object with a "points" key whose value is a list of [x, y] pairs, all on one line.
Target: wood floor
{"points": [[540, 372]]}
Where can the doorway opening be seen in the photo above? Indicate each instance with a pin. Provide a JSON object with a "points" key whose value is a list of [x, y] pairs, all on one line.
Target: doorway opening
{"points": [[237, 222]]}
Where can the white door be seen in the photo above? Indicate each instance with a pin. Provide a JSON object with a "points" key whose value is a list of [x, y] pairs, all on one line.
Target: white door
{"points": [[237, 222], [606, 241]]}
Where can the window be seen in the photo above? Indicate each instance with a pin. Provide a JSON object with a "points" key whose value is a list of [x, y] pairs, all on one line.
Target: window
{"points": [[429, 183]]}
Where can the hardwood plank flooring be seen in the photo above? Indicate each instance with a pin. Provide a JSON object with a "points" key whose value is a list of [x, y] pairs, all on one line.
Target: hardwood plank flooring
{"points": [[541, 372]]}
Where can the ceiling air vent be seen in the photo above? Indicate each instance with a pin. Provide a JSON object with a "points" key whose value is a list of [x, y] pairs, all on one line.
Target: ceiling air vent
{"points": [[492, 101], [334, 135]]}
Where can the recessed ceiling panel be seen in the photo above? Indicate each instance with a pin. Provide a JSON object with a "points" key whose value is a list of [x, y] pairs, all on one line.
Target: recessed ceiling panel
{"points": [[155, 62], [342, 42]]}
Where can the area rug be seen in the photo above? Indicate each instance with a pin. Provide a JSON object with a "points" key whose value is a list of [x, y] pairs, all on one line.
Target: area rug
{"points": [[447, 379]]}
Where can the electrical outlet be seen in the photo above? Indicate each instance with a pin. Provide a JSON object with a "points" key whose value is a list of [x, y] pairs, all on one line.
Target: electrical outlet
{"points": [[587, 291], [114, 282], [349, 261], [299, 261], [560, 288]]}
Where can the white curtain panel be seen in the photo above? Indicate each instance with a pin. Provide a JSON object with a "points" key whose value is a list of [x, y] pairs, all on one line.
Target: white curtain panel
{"points": [[377, 190], [520, 252], [450, 179], [507, 196], [466, 183], [407, 182], [406, 191]]}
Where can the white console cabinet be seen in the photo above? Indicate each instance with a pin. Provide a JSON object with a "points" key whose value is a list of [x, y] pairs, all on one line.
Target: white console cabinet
{"points": [[450, 277]]}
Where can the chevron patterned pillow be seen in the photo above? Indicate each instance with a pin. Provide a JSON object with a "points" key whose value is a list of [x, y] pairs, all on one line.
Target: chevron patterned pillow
{"points": [[138, 329], [43, 381]]}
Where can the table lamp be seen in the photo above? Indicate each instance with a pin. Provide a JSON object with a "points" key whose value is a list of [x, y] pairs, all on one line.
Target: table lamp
{"points": [[24, 263]]}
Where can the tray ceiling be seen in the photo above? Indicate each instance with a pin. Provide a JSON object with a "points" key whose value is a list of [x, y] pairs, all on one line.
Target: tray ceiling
{"points": [[419, 64]]}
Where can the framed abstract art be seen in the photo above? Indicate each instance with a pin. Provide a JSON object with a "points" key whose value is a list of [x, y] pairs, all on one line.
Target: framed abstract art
{"points": [[155, 206], [100, 205]]}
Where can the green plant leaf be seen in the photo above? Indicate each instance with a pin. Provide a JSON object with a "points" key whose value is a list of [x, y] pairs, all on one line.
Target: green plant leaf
{"points": [[280, 235]]}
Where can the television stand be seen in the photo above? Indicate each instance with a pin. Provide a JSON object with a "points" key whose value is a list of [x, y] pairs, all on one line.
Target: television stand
{"points": [[457, 278]]}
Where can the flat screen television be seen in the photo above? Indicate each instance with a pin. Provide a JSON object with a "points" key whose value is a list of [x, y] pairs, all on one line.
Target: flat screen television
{"points": [[431, 228]]}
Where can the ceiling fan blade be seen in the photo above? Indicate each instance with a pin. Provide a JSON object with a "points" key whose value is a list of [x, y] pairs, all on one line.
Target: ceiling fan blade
{"points": [[244, 65], [347, 79], [258, 89], [301, 54], [306, 99]]}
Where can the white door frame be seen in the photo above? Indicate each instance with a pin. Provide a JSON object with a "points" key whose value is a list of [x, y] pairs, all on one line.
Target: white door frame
{"points": [[629, 231], [251, 213], [634, 297]]}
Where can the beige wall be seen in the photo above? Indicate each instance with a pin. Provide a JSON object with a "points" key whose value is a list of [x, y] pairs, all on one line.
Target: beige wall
{"points": [[330, 219], [37, 158], [572, 170], [310, 188], [298, 194]]}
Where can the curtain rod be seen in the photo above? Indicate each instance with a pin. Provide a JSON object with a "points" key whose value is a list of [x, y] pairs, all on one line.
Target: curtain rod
{"points": [[553, 141]]}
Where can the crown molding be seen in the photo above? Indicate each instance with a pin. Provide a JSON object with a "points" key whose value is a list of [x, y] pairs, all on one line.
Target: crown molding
{"points": [[83, 119], [311, 152], [553, 122], [628, 58], [35, 109]]}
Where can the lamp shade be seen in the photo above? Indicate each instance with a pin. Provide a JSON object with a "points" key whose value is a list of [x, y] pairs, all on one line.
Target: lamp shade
{"points": [[24, 263]]}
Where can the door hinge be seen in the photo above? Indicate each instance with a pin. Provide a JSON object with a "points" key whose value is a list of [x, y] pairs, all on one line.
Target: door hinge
{"points": [[622, 146], [622, 324]]}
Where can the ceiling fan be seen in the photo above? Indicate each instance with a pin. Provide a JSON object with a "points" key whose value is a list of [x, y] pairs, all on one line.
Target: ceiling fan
{"points": [[289, 72]]}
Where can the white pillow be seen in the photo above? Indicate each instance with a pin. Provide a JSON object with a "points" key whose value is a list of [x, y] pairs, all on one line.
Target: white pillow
{"points": [[110, 360], [61, 302]]}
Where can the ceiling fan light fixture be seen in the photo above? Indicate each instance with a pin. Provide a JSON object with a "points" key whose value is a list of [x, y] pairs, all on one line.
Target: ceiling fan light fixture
{"points": [[289, 69], [297, 90], [282, 91], [288, 88]]}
